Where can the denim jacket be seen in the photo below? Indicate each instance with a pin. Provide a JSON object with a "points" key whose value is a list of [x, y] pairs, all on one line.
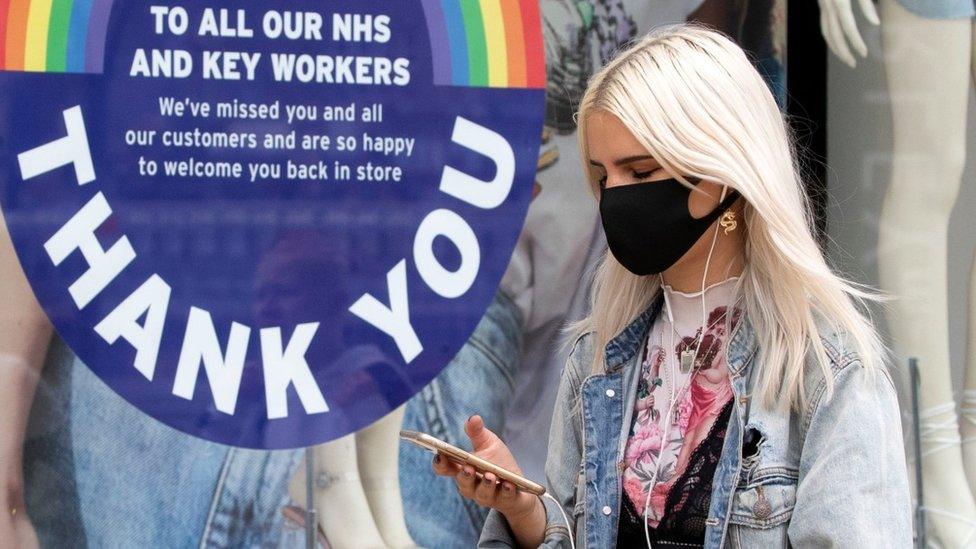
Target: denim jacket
{"points": [[831, 475]]}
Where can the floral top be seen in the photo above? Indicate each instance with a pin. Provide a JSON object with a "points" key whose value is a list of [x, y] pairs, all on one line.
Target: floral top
{"points": [[704, 395]]}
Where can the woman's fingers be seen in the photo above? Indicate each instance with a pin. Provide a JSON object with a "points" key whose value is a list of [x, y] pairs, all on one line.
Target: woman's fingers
{"points": [[466, 481], [486, 491], [479, 435], [506, 492], [444, 467]]}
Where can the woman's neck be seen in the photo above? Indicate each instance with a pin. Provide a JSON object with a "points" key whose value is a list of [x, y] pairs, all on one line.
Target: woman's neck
{"points": [[690, 310], [690, 280], [727, 260]]}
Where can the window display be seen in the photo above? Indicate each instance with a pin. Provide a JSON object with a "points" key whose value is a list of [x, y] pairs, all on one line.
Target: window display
{"points": [[899, 141]]}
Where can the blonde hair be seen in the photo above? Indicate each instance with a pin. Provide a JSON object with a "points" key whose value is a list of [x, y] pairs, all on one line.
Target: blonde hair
{"points": [[691, 96]]}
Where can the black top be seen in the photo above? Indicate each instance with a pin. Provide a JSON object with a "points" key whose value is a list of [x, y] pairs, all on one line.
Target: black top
{"points": [[686, 507]]}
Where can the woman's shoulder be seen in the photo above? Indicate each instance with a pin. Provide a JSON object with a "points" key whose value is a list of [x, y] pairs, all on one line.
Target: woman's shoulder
{"points": [[583, 344], [581, 354], [838, 345], [846, 374]]}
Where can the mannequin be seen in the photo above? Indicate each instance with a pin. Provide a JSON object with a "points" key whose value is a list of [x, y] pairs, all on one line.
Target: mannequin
{"points": [[928, 82], [356, 477], [357, 488]]}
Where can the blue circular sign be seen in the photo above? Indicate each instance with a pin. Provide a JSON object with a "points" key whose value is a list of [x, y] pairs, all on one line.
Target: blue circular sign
{"points": [[268, 226]]}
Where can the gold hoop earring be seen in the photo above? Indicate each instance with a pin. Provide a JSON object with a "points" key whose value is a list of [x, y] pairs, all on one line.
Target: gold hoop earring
{"points": [[727, 221]]}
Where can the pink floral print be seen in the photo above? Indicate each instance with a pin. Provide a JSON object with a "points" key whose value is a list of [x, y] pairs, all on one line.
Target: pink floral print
{"points": [[703, 392]]}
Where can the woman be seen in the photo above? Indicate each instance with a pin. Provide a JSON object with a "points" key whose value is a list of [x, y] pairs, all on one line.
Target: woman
{"points": [[726, 387]]}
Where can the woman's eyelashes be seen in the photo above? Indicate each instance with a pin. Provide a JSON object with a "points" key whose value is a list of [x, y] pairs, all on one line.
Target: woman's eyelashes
{"points": [[638, 177]]}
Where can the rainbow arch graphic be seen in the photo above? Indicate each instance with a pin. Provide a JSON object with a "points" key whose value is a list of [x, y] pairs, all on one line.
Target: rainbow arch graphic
{"points": [[492, 43], [53, 35]]}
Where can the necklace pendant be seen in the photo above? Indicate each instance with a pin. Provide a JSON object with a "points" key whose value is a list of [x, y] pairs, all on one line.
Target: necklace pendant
{"points": [[687, 359]]}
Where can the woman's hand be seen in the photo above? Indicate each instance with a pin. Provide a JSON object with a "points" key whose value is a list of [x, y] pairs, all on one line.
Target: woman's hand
{"points": [[489, 492]]}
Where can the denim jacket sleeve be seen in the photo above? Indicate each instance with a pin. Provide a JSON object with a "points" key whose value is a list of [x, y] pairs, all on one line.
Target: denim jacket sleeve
{"points": [[853, 482], [563, 460]]}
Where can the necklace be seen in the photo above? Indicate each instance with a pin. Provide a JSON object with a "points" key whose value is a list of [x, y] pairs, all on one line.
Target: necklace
{"points": [[669, 419], [689, 356], [692, 366]]}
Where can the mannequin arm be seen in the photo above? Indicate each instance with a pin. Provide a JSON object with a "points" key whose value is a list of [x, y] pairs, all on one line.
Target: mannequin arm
{"points": [[24, 336], [837, 26]]}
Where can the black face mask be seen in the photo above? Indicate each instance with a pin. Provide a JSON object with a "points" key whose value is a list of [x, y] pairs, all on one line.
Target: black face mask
{"points": [[648, 225]]}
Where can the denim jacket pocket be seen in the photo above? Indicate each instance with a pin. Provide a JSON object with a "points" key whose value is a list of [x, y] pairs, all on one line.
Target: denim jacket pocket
{"points": [[761, 510]]}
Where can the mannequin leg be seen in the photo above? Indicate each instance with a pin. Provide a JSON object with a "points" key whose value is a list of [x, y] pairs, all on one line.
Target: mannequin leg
{"points": [[927, 65], [968, 408], [377, 448], [342, 508]]}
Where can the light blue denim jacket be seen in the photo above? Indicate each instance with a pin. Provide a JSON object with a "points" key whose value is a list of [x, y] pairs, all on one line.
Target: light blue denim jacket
{"points": [[833, 475]]}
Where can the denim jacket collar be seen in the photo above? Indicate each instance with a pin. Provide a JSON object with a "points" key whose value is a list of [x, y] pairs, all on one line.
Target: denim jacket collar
{"points": [[627, 343]]}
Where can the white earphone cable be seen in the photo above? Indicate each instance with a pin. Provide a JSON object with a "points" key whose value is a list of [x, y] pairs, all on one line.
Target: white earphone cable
{"points": [[569, 527], [667, 419]]}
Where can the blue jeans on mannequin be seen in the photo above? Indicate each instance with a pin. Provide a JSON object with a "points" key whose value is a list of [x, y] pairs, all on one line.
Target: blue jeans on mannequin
{"points": [[99, 472], [480, 379]]}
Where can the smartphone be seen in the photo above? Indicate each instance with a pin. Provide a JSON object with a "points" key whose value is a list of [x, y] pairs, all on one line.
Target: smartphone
{"points": [[461, 457]]}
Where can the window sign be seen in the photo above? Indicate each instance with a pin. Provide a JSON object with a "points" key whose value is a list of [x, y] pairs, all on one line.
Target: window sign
{"points": [[268, 224]]}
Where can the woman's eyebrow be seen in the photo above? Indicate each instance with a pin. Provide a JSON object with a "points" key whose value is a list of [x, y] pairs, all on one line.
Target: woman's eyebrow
{"points": [[627, 160]]}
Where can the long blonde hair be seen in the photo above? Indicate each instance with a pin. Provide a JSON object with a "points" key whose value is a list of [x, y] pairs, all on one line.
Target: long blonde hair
{"points": [[691, 96]]}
